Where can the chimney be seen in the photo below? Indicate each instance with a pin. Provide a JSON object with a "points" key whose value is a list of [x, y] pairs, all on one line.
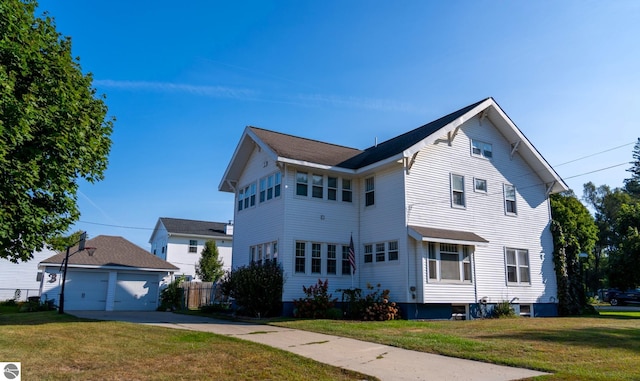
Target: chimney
{"points": [[228, 229]]}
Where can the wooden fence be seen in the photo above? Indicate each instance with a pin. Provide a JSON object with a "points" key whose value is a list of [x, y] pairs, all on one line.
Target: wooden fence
{"points": [[198, 294]]}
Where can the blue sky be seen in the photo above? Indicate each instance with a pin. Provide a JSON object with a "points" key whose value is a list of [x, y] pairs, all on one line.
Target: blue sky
{"points": [[184, 79]]}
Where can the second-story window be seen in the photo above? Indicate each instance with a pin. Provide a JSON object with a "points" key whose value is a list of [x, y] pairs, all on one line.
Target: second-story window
{"points": [[302, 183], [346, 190], [369, 191], [332, 188], [193, 246], [457, 191], [510, 199], [317, 186]]}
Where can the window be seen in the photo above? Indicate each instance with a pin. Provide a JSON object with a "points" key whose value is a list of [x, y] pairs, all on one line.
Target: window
{"points": [[332, 188], [346, 265], [346, 190], [510, 199], [525, 310], [264, 252], [393, 250], [481, 149], [368, 253], [259, 260], [316, 258], [302, 183], [240, 199], [379, 252], [457, 191], [449, 262], [270, 187], [300, 257], [480, 185], [369, 195], [193, 246], [247, 197], [517, 266], [331, 259], [317, 186], [263, 190], [252, 253]]}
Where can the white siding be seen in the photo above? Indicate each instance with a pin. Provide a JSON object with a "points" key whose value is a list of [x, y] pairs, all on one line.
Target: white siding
{"points": [[21, 276], [428, 197]]}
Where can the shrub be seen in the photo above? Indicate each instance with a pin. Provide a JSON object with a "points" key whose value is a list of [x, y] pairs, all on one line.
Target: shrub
{"points": [[373, 306], [256, 288], [317, 302], [503, 310], [171, 297]]}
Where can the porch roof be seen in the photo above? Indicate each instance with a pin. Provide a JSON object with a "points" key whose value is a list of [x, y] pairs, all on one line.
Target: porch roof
{"points": [[423, 233]]}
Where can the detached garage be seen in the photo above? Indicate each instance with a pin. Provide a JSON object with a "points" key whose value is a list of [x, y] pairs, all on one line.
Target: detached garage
{"points": [[119, 276]]}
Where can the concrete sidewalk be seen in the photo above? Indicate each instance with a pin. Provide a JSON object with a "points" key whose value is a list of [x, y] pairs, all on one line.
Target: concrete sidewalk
{"points": [[382, 361]]}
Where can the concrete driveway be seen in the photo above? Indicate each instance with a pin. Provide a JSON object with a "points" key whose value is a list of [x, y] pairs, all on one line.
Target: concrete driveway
{"points": [[382, 361]]}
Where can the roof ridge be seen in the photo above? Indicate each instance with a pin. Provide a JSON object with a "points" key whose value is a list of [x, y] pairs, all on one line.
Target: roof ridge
{"points": [[303, 138]]}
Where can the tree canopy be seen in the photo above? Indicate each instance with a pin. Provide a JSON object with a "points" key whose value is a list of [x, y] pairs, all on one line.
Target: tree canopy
{"points": [[574, 232], [632, 184], [209, 267], [54, 130]]}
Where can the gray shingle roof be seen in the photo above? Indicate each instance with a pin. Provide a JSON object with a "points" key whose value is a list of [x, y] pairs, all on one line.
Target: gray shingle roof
{"points": [[112, 251], [194, 227], [314, 151]]}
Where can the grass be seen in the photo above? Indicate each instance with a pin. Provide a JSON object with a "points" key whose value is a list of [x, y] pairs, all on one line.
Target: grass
{"points": [[583, 348], [61, 347]]}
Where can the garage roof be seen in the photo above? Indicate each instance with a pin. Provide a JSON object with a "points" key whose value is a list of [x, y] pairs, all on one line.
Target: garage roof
{"points": [[111, 251]]}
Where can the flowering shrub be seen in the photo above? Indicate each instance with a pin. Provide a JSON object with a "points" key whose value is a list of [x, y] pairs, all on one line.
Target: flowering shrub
{"points": [[373, 306], [379, 307], [316, 304]]}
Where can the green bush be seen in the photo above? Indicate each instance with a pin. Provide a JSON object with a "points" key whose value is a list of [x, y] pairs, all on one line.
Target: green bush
{"points": [[171, 297], [256, 288], [503, 310], [317, 302]]}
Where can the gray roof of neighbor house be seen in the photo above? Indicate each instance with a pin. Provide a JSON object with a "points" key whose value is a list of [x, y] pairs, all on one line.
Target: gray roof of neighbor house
{"points": [[307, 152], [194, 227], [111, 251]]}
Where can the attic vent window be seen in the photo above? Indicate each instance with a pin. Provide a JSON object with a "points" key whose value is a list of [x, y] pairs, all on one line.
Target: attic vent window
{"points": [[481, 149]]}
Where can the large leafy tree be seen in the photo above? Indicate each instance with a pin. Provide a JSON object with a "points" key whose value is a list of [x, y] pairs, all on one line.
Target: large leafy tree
{"points": [[54, 130], [574, 232], [210, 267], [624, 268]]}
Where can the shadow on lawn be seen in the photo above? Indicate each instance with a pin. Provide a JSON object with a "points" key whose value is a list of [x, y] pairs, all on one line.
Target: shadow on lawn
{"points": [[627, 338], [37, 318]]}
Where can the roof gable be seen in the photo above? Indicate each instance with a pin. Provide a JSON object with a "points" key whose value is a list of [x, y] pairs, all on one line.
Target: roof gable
{"points": [[112, 251], [193, 227], [312, 153]]}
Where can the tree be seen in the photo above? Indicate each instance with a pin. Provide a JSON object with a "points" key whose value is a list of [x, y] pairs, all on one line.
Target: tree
{"points": [[632, 184], [574, 232], [54, 131], [256, 288], [624, 268], [60, 243], [209, 267]]}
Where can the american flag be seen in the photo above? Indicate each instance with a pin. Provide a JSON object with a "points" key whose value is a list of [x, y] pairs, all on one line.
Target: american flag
{"points": [[352, 257]]}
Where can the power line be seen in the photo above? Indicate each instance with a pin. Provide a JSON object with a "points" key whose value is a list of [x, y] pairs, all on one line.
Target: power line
{"points": [[593, 154]]}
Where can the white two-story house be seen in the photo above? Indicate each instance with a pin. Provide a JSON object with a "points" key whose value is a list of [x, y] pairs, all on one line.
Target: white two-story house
{"points": [[180, 242], [452, 217]]}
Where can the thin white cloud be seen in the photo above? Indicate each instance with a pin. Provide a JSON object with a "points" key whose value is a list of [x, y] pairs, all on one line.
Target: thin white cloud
{"points": [[210, 91], [305, 100]]}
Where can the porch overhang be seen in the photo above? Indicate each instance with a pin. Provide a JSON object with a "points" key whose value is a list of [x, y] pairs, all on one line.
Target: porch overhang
{"points": [[427, 234]]}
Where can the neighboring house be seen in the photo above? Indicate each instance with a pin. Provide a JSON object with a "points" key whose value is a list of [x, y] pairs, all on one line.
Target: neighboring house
{"points": [[23, 276], [181, 242], [452, 217], [119, 276]]}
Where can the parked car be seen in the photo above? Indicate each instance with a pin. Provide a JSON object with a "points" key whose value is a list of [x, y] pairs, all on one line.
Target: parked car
{"points": [[619, 298]]}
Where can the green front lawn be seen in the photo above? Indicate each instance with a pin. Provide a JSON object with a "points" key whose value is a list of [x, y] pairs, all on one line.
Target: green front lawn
{"points": [[60, 347], [584, 348]]}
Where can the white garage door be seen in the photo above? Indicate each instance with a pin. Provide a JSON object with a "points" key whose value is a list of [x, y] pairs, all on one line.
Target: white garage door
{"points": [[136, 292], [86, 290]]}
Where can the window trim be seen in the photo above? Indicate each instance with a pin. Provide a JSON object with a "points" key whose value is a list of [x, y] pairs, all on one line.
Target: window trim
{"points": [[481, 146], [193, 247], [369, 192], [434, 263], [510, 202], [304, 184], [300, 258], [346, 189], [518, 267], [453, 192], [479, 190]]}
